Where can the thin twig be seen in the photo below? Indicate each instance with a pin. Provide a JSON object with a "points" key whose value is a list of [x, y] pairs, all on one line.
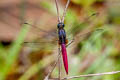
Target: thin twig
{"points": [[65, 10], [47, 77], [56, 2], [59, 56], [91, 75], [64, 13], [59, 64], [88, 75]]}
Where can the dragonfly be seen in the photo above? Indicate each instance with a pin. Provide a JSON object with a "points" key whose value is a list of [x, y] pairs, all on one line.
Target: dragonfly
{"points": [[62, 40], [62, 37]]}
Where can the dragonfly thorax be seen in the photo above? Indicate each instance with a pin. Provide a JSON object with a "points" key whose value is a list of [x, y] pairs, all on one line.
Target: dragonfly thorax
{"points": [[60, 25], [62, 36]]}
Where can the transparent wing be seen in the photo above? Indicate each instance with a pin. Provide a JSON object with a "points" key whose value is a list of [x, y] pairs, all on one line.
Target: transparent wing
{"points": [[79, 29], [41, 38], [50, 38]]}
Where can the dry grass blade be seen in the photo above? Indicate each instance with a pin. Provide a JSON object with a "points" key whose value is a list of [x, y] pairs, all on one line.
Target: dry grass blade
{"points": [[59, 64], [91, 75], [65, 10], [88, 75], [47, 77], [56, 2]]}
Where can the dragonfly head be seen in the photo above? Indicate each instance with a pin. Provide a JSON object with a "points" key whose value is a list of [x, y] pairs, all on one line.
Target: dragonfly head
{"points": [[60, 25]]}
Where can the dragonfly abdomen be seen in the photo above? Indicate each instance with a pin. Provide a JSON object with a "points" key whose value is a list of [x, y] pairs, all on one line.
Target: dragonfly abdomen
{"points": [[64, 55]]}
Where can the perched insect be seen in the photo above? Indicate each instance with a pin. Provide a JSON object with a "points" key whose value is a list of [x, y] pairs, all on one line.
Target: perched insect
{"points": [[62, 40], [62, 37]]}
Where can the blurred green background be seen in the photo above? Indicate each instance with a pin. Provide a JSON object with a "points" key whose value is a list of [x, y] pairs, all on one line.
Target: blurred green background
{"points": [[96, 47]]}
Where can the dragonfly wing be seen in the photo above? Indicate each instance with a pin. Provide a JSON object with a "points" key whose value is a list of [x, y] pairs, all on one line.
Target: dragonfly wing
{"points": [[78, 27], [41, 43], [37, 30], [41, 36]]}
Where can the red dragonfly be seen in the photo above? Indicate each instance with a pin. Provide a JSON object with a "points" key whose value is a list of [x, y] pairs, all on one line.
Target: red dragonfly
{"points": [[62, 40], [62, 35]]}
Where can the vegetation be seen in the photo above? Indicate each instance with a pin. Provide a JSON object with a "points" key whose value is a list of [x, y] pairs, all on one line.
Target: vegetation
{"points": [[96, 47]]}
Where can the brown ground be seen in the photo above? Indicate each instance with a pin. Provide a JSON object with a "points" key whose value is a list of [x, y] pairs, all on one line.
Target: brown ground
{"points": [[12, 15]]}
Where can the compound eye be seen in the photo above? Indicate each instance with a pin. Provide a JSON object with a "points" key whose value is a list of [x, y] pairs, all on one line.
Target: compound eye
{"points": [[58, 26], [63, 25]]}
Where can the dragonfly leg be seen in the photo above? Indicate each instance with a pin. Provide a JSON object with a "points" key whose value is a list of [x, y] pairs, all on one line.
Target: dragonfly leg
{"points": [[70, 42], [66, 41]]}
